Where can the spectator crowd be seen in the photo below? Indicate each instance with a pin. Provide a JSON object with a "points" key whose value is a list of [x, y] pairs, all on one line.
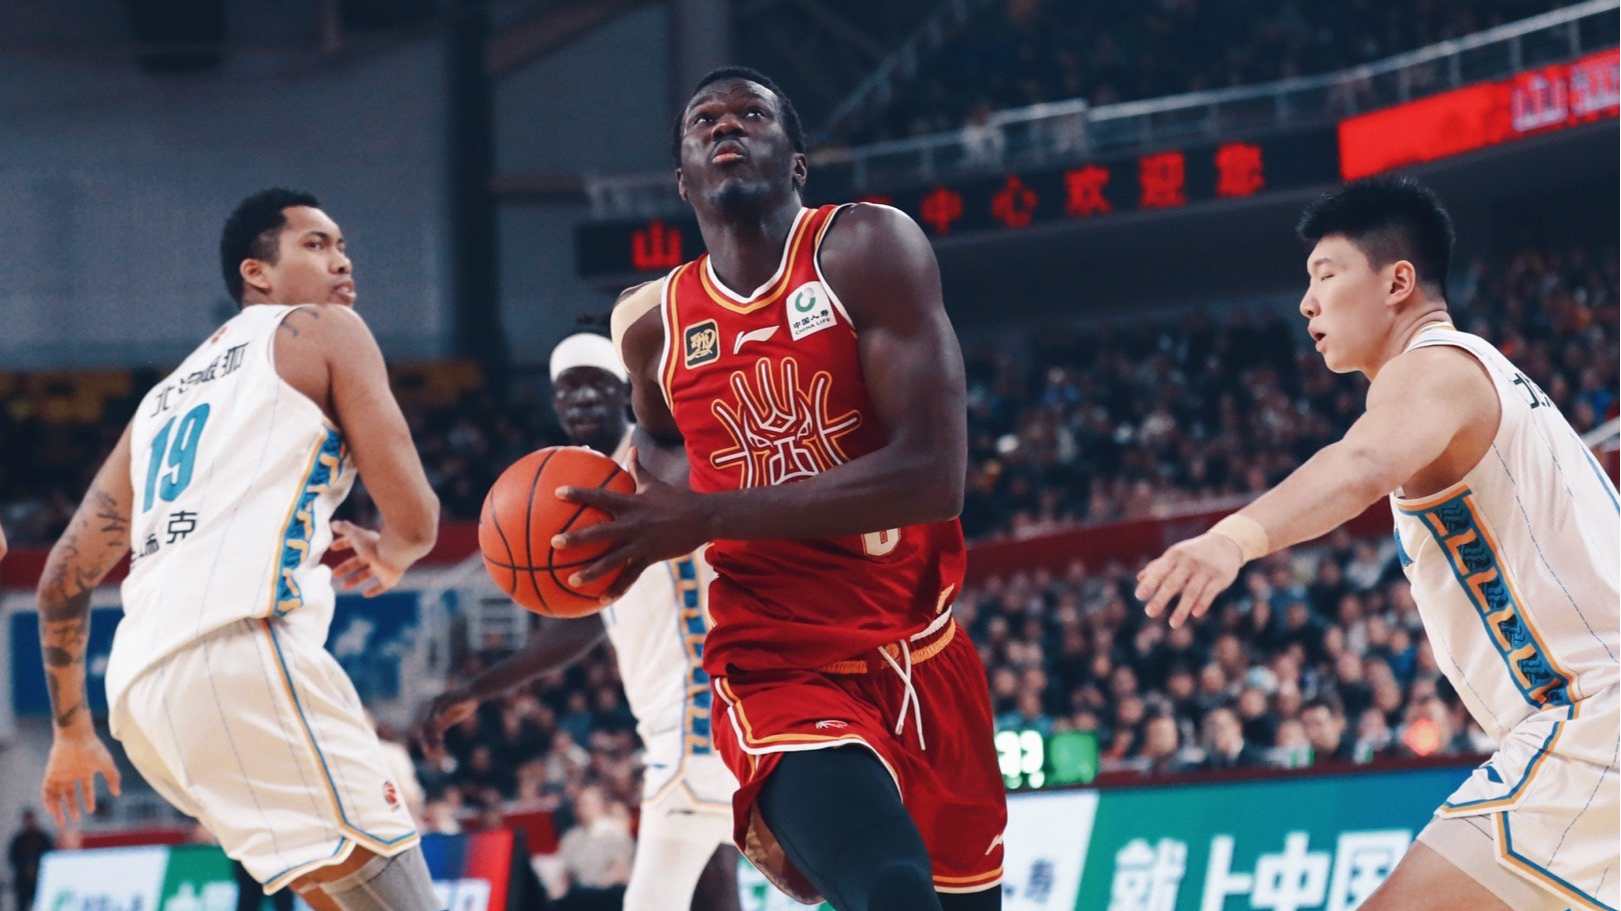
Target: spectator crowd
{"points": [[1015, 53]]}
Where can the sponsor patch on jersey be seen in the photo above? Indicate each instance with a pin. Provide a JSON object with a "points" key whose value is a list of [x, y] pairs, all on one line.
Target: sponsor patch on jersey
{"points": [[810, 310], [702, 343]]}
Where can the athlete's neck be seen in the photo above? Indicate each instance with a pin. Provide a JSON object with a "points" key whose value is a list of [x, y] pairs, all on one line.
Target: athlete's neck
{"points": [[745, 251], [1426, 317]]}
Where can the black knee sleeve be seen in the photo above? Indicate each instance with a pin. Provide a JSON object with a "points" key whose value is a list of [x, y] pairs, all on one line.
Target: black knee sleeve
{"points": [[839, 818]]}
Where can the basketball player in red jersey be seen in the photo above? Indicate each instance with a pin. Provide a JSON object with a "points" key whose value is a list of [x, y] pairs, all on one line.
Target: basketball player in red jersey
{"points": [[823, 418]]}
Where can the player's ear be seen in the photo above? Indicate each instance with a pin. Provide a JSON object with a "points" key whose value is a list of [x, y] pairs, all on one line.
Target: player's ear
{"points": [[1403, 281], [255, 274], [681, 184], [801, 171]]}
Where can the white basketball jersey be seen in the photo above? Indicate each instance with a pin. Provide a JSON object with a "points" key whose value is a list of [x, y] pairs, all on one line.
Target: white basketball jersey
{"points": [[658, 630], [236, 475], [1514, 567]]}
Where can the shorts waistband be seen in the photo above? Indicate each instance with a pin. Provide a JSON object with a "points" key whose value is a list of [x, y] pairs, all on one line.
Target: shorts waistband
{"points": [[924, 645]]}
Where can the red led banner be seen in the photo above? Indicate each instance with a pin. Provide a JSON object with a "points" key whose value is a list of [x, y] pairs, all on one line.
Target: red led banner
{"points": [[1478, 116]]}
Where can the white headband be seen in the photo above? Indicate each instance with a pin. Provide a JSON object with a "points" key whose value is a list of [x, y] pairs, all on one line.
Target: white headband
{"points": [[586, 349]]}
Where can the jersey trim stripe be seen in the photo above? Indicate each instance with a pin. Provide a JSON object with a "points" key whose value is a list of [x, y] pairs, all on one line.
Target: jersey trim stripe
{"points": [[976, 883], [672, 328], [386, 845], [1530, 625], [816, 263], [339, 854], [778, 284], [746, 734], [1461, 533], [325, 464], [1531, 769], [1539, 873]]}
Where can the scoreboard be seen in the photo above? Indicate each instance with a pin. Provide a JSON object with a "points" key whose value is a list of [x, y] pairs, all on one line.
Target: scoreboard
{"points": [[1032, 760], [1166, 179]]}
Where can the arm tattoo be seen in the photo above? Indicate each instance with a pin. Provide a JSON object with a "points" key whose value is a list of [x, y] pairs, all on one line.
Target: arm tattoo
{"points": [[94, 542], [289, 325], [64, 632]]}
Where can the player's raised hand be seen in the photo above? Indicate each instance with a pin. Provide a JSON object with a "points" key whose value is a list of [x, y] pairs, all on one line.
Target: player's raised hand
{"points": [[659, 522], [370, 563], [447, 709], [70, 775], [1191, 573]]}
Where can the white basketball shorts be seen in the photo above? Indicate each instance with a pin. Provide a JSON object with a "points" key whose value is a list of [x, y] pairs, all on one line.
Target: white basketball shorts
{"points": [[255, 731], [1550, 800]]}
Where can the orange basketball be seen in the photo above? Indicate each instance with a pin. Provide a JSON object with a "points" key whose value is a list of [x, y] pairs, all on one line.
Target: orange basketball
{"points": [[522, 513]]}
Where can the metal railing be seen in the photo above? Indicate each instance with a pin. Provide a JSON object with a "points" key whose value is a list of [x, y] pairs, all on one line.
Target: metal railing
{"points": [[879, 86], [1069, 131]]}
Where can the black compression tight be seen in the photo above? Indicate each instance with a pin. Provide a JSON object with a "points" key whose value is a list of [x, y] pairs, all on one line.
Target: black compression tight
{"points": [[840, 820]]}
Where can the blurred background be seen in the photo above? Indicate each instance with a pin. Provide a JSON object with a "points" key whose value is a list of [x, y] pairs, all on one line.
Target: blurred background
{"points": [[1111, 187]]}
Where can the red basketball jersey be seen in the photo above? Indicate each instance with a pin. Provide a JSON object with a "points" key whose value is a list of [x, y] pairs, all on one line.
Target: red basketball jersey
{"points": [[768, 389]]}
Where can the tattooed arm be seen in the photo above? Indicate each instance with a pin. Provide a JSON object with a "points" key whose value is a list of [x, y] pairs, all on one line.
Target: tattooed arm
{"points": [[96, 539]]}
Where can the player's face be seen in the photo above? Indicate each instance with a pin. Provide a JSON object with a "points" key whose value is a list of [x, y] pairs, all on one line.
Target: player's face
{"points": [[734, 150], [311, 266], [590, 404], [1344, 305]]}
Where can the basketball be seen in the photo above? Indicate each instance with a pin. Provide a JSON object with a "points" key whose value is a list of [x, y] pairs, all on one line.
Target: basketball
{"points": [[521, 515]]}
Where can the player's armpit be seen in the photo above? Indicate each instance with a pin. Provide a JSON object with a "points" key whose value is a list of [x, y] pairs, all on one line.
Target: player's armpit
{"points": [[95, 540], [376, 433]]}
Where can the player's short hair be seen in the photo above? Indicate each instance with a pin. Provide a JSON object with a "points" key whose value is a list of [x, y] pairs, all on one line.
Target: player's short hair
{"points": [[1388, 219], [785, 107], [252, 231]]}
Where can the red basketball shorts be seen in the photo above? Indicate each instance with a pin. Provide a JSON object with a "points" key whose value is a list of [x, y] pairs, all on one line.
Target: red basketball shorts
{"points": [[948, 776]]}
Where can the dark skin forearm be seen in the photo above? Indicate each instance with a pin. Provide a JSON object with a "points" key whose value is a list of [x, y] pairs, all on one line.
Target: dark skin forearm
{"points": [[888, 488], [554, 645]]}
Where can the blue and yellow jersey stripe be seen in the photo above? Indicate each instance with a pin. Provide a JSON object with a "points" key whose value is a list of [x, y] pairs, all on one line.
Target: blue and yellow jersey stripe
{"points": [[1454, 521], [298, 529]]}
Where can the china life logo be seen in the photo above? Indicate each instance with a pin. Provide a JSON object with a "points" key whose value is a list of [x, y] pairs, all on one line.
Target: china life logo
{"points": [[810, 310]]}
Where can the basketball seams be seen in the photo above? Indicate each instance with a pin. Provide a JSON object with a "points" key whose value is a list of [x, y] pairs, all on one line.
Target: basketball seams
{"points": [[528, 537], [552, 553], [495, 522]]}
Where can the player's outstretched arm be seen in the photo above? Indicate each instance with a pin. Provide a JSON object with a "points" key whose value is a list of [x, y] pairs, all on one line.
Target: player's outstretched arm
{"points": [[1419, 403], [888, 280], [555, 644], [334, 343], [95, 540]]}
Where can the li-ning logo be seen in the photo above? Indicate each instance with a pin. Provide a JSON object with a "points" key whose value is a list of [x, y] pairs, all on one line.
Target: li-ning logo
{"points": [[702, 343], [780, 430], [832, 725]]}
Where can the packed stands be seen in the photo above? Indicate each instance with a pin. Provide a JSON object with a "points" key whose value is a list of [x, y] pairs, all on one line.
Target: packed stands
{"points": [[1023, 52]]}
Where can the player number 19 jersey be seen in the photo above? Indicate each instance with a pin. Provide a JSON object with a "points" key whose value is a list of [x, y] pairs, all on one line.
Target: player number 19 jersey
{"points": [[236, 475]]}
